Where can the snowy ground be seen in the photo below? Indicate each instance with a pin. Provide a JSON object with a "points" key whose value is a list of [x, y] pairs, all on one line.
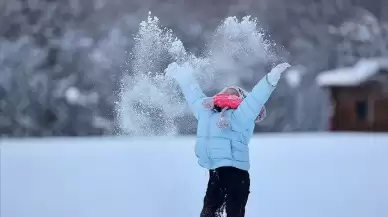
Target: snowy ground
{"points": [[300, 175]]}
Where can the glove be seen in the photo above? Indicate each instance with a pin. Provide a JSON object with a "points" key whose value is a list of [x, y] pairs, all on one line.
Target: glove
{"points": [[174, 70], [274, 75]]}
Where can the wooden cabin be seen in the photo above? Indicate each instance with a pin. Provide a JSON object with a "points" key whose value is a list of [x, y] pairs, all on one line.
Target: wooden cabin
{"points": [[359, 96]]}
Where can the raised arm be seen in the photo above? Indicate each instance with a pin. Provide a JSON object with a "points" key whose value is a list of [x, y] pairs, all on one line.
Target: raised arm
{"points": [[251, 106], [184, 75]]}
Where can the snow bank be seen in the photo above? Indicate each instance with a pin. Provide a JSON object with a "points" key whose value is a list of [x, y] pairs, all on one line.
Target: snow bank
{"points": [[298, 175]]}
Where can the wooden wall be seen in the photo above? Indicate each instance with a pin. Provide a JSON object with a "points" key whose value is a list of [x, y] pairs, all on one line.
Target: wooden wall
{"points": [[362, 108]]}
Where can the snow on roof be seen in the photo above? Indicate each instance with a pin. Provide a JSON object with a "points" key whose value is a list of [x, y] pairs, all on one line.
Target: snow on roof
{"points": [[353, 76]]}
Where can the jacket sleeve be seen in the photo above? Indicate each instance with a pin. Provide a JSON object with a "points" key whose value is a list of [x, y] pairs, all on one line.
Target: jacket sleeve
{"points": [[251, 106], [191, 91]]}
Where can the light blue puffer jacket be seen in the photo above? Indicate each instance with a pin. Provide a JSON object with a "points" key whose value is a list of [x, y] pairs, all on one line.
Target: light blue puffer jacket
{"points": [[216, 147]]}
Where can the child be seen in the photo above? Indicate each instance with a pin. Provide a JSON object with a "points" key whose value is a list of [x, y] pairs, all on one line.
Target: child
{"points": [[223, 137]]}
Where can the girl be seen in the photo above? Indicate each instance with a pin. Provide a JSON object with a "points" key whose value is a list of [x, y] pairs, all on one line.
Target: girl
{"points": [[223, 136]]}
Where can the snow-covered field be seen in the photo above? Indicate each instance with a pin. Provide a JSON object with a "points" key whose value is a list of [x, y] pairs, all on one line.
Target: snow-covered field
{"points": [[293, 175]]}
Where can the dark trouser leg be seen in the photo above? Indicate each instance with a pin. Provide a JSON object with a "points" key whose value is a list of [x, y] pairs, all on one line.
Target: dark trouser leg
{"points": [[237, 192], [236, 184], [228, 188], [215, 196]]}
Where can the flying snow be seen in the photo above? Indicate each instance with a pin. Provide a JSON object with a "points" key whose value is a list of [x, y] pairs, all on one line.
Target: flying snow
{"points": [[150, 103]]}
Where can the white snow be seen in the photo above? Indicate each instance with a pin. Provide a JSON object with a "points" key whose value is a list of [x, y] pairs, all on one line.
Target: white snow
{"points": [[352, 76], [150, 104], [75, 96], [293, 175], [294, 76], [72, 95]]}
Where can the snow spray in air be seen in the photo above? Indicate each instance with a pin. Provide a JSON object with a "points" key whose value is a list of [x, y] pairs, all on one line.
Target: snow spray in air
{"points": [[150, 103]]}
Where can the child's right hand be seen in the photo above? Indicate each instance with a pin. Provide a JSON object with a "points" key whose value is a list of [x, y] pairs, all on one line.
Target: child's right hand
{"points": [[174, 69], [171, 70]]}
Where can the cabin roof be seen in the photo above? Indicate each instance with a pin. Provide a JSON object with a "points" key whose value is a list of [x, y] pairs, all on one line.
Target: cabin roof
{"points": [[361, 72]]}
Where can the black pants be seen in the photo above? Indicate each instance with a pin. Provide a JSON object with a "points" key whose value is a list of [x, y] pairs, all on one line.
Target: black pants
{"points": [[228, 189]]}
